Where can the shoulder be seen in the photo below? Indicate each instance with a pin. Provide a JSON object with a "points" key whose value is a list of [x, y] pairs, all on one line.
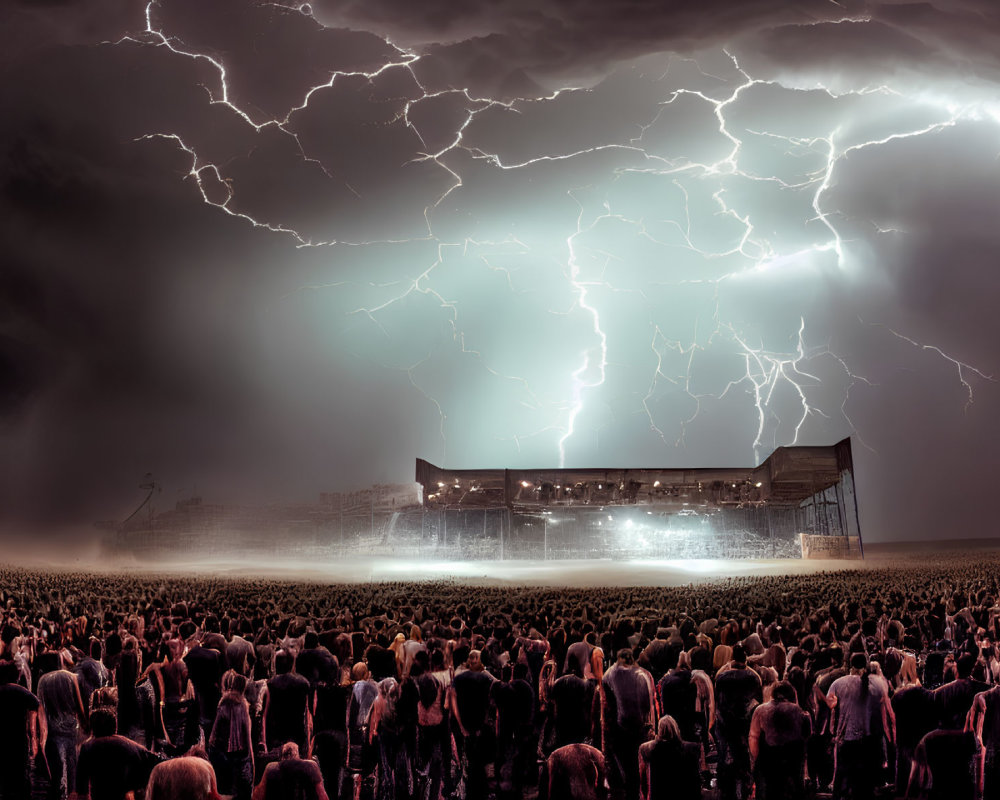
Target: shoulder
{"points": [[26, 697], [311, 768], [979, 701]]}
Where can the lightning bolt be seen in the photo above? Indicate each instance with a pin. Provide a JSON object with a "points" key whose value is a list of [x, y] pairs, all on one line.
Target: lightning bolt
{"points": [[750, 254], [592, 369], [962, 368]]}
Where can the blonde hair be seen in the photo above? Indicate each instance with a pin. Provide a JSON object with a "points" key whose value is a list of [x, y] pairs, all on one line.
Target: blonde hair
{"points": [[723, 655], [668, 730], [907, 675]]}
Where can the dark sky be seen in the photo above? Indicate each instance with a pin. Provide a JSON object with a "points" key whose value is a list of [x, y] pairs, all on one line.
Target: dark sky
{"points": [[265, 251]]}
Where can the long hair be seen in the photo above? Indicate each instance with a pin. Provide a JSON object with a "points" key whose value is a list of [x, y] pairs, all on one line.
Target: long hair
{"points": [[723, 655], [667, 730], [859, 661], [907, 675]]}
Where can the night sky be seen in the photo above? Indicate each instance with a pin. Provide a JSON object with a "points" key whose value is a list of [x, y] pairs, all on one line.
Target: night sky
{"points": [[264, 251]]}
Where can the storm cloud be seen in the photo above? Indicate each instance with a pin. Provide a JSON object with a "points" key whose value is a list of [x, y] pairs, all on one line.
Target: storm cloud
{"points": [[267, 251]]}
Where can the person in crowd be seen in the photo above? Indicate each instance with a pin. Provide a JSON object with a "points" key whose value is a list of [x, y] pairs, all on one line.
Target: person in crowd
{"points": [[18, 734], [230, 741], [407, 648], [514, 700], [587, 657], [574, 772], [291, 776], [984, 722], [914, 626], [188, 777], [629, 711], [364, 692], [472, 688], [862, 718], [286, 705], [572, 710], [738, 691], [678, 698], [669, 767], [178, 715], [62, 717], [91, 673], [330, 743], [110, 766], [127, 677], [947, 765], [316, 663], [779, 732], [205, 660], [954, 699], [388, 729], [916, 714]]}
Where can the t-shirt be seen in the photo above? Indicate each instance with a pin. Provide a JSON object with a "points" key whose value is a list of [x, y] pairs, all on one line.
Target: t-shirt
{"points": [[857, 716], [332, 706], [90, 675], [954, 701], [111, 766], [410, 649], [737, 693], [57, 692], [780, 723], [659, 656], [472, 694], [515, 703], [628, 696], [317, 664], [916, 714], [288, 695], [232, 727], [679, 698], [950, 756], [579, 653], [205, 669]]}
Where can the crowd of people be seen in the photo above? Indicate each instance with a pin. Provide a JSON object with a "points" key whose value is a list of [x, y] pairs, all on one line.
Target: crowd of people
{"points": [[859, 683]]}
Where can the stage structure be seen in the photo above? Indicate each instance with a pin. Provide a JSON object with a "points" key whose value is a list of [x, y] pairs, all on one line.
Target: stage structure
{"points": [[799, 503]]}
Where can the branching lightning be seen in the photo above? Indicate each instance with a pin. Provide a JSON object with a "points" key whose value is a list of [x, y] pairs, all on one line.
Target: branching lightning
{"points": [[961, 367], [750, 252]]}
